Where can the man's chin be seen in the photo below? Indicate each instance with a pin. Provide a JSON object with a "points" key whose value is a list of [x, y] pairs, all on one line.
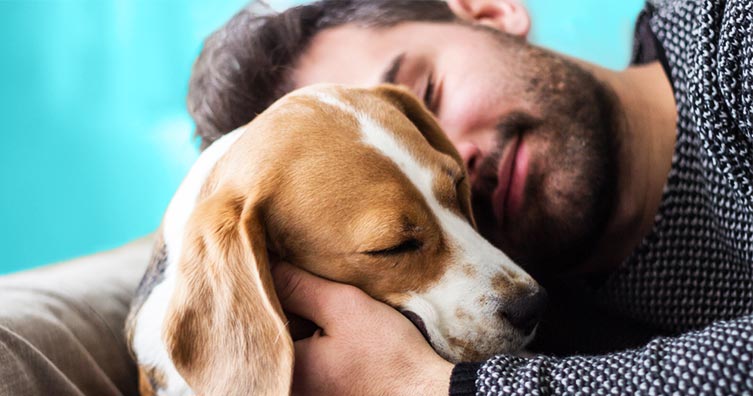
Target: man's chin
{"points": [[526, 239], [539, 250]]}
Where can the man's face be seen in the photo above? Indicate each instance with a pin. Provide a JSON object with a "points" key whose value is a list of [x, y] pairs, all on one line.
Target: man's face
{"points": [[534, 130]]}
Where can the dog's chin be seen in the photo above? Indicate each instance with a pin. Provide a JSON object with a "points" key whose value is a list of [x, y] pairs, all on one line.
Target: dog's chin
{"points": [[510, 344], [484, 348]]}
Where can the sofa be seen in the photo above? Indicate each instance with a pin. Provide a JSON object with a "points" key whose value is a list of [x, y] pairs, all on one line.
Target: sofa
{"points": [[61, 326]]}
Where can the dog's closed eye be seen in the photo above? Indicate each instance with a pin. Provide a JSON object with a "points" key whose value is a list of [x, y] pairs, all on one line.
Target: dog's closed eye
{"points": [[407, 246]]}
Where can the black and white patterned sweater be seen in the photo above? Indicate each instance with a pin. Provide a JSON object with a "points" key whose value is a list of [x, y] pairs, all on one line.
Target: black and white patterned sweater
{"points": [[692, 276]]}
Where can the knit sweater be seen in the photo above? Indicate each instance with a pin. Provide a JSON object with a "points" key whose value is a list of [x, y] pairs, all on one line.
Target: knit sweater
{"points": [[691, 278]]}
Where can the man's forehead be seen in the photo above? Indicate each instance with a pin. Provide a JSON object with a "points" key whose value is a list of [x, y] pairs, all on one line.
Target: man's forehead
{"points": [[345, 54], [360, 56]]}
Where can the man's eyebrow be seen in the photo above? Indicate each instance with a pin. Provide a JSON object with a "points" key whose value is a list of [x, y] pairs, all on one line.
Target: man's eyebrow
{"points": [[390, 74]]}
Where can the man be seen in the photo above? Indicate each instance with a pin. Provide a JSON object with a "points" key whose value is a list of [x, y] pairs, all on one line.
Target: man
{"points": [[638, 181]]}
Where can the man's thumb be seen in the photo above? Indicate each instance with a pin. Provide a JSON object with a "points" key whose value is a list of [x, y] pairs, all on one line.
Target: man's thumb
{"points": [[308, 295]]}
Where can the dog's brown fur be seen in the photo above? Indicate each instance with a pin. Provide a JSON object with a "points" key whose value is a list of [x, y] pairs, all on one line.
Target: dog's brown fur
{"points": [[225, 330]]}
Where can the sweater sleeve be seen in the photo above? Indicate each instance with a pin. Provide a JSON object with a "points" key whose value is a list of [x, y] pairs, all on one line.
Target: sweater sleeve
{"points": [[717, 360]]}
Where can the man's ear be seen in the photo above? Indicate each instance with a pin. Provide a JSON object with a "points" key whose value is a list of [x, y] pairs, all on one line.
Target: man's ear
{"points": [[225, 328], [509, 16]]}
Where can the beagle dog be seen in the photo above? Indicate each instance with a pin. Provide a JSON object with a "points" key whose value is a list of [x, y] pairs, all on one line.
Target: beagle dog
{"points": [[358, 186]]}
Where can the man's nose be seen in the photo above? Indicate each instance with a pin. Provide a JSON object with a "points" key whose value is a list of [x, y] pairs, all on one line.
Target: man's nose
{"points": [[525, 311], [471, 155]]}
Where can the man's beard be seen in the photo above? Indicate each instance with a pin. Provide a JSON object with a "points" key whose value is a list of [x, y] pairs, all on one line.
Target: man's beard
{"points": [[570, 189]]}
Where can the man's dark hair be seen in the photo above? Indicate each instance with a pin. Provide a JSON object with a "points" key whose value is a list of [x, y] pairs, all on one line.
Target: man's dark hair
{"points": [[246, 65]]}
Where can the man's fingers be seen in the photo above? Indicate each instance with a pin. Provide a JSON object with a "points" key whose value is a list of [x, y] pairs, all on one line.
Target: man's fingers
{"points": [[310, 296]]}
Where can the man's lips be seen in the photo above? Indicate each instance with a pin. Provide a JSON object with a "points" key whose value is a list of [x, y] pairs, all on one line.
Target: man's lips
{"points": [[511, 176]]}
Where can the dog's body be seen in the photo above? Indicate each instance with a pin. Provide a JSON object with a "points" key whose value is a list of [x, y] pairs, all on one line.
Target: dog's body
{"points": [[357, 186]]}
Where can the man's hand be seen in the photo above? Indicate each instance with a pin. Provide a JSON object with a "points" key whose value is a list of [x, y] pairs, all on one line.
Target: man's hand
{"points": [[363, 347]]}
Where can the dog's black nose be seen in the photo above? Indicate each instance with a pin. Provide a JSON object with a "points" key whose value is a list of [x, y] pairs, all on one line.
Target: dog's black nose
{"points": [[525, 311]]}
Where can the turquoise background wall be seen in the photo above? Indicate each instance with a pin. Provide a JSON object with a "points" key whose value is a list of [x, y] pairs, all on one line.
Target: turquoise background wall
{"points": [[95, 135]]}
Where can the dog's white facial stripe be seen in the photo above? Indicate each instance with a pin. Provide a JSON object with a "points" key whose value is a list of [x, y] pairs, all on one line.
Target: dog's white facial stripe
{"points": [[147, 336], [438, 306]]}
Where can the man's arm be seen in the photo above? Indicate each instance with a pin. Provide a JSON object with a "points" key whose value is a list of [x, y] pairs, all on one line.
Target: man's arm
{"points": [[717, 360], [367, 348]]}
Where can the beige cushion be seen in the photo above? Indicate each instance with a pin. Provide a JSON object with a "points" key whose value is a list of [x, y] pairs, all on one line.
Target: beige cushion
{"points": [[61, 326]]}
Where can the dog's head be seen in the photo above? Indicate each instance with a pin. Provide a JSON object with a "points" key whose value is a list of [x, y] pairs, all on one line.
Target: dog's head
{"points": [[355, 185]]}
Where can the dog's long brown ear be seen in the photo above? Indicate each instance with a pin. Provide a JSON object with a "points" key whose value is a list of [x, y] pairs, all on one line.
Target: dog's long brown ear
{"points": [[422, 118], [224, 328]]}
